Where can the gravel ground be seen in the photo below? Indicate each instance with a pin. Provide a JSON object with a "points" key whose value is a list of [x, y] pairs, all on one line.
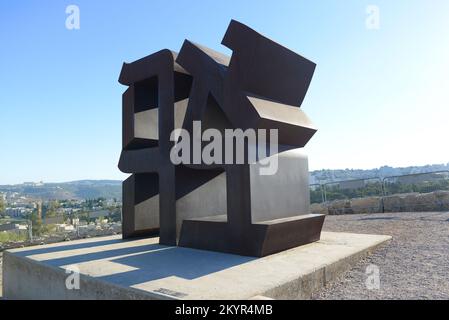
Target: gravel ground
{"points": [[414, 265]]}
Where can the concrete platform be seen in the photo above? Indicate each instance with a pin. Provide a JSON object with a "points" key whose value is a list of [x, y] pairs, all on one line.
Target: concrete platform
{"points": [[111, 268]]}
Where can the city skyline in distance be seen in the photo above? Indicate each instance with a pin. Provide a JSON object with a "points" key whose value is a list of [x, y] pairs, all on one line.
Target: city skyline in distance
{"points": [[358, 174]]}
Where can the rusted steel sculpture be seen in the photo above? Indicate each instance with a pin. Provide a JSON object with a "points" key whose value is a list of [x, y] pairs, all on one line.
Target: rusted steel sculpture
{"points": [[221, 206]]}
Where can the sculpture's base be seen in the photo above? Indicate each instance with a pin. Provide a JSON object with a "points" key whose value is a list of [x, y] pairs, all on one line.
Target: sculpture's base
{"points": [[112, 268], [260, 239]]}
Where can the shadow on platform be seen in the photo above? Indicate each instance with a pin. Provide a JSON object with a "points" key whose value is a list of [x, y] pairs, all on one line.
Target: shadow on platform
{"points": [[148, 261]]}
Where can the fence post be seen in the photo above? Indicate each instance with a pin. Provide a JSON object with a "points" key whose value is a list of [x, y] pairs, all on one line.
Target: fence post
{"points": [[323, 198], [324, 192]]}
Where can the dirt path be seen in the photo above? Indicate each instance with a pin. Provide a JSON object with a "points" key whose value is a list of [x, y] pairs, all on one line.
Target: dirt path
{"points": [[414, 265]]}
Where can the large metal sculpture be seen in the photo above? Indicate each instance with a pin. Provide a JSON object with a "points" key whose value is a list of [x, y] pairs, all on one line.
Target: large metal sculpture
{"points": [[227, 207]]}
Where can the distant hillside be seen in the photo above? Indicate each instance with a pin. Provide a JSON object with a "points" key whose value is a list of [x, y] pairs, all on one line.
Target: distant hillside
{"points": [[84, 189], [109, 189], [322, 176]]}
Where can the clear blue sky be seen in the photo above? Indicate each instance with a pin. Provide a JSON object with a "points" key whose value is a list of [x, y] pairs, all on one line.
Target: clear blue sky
{"points": [[378, 97]]}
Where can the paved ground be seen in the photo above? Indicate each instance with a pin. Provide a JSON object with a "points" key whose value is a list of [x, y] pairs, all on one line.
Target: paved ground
{"points": [[414, 265]]}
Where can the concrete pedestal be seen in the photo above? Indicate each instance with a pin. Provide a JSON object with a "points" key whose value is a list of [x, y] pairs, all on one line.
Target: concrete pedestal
{"points": [[111, 268]]}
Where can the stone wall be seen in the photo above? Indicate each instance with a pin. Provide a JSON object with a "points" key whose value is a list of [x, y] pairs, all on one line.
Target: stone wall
{"points": [[410, 202]]}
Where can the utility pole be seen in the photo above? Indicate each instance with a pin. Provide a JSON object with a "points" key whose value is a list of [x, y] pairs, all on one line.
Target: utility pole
{"points": [[30, 230], [77, 226]]}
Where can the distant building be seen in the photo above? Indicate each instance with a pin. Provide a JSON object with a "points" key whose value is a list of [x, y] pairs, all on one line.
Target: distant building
{"points": [[33, 184], [98, 213], [64, 227], [17, 212], [53, 220], [13, 227]]}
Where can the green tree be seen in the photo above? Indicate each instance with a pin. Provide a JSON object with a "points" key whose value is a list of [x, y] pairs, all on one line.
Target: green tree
{"points": [[37, 226], [84, 216], [52, 209], [2, 205], [115, 214]]}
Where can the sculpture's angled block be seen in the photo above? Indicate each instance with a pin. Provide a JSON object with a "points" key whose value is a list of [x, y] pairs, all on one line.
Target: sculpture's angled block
{"points": [[268, 83], [269, 69], [219, 205]]}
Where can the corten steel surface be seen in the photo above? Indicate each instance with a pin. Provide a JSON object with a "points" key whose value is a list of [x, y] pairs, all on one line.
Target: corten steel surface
{"points": [[261, 86]]}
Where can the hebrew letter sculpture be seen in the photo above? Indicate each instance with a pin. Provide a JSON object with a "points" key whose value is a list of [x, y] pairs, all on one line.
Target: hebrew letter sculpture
{"points": [[221, 206]]}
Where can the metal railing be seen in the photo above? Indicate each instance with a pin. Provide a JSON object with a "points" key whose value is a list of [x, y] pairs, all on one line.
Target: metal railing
{"points": [[386, 194], [419, 182]]}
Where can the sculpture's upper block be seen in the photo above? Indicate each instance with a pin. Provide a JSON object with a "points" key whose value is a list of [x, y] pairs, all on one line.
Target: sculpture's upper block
{"points": [[266, 68], [148, 66]]}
